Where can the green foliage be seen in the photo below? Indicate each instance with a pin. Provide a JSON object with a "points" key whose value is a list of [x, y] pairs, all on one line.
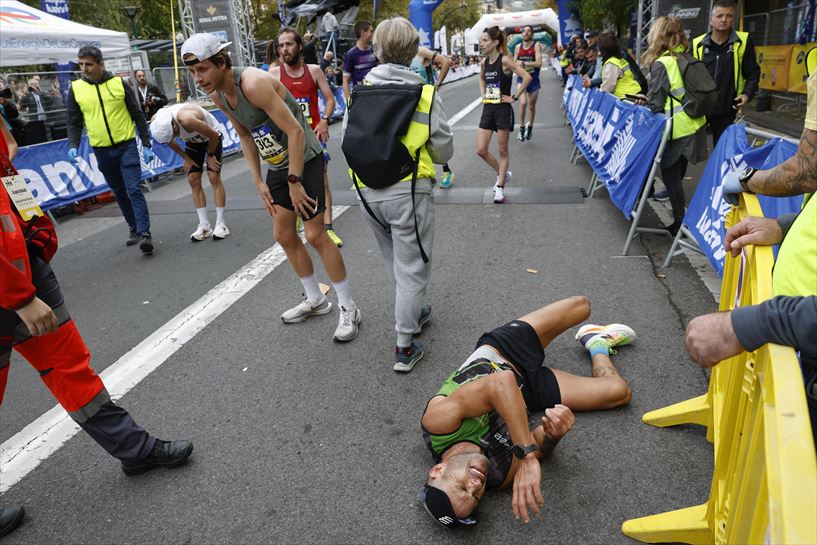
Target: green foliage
{"points": [[456, 15], [600, 14]]}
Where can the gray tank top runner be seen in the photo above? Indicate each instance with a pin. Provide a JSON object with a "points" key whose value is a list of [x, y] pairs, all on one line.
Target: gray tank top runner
{"points": [[253, 118]]}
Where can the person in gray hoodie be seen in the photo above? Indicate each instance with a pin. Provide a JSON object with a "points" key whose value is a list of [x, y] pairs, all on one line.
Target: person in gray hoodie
{"points": [[396, 43]]}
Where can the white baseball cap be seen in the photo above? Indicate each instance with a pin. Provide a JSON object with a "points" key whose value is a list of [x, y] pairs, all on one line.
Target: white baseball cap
{"points": [[202, 46], [162, 126]]}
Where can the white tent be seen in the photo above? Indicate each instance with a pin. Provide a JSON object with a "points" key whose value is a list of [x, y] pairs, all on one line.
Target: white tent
{"points": [[30, 36], [540, 17]]}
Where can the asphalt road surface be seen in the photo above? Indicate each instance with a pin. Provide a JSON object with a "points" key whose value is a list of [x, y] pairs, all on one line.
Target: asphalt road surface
{"points": [[302, 440]]}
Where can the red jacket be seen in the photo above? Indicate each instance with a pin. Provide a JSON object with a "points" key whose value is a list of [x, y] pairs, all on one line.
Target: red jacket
{"points": [[16, 289]]}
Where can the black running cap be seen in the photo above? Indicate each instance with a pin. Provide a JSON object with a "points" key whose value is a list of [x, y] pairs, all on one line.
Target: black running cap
{"points": [[438, 505]]}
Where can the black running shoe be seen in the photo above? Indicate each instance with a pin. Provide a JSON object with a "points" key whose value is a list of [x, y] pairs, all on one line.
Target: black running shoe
{"points": [[146, 244]]}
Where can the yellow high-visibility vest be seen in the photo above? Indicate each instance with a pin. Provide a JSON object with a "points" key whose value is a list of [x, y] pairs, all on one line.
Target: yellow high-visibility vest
{"points": [[107, 118], [626, 84], [738, 50], [682, 123]]}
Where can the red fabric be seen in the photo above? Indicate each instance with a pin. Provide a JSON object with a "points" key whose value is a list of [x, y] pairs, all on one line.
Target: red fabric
{"points": [[303, 88], [66, 358], [4, 377]]}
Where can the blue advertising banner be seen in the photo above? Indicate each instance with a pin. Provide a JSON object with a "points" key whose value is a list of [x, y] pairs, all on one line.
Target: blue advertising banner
{"points": [[618, 139], [420, 17], [54, 181], [707, 209]]}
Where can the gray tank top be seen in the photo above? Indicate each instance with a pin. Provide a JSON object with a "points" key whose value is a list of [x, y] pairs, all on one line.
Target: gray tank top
{"points": [[269, 139]]}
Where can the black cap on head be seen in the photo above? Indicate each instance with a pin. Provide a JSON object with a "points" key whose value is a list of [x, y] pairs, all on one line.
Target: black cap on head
{"points": [[438, 505], [592, 33]]}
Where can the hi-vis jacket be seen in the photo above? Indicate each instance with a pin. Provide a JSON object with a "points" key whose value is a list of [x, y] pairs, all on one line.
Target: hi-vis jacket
{"points": [[682, 124]]}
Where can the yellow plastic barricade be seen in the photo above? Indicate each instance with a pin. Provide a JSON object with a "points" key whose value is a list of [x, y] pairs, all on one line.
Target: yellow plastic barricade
{"points": [[764, 486]]}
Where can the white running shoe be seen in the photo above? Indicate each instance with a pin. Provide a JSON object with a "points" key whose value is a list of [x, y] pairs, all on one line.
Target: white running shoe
{"points": [[305, 309], [220, 232], [202, 232], [348, 323], [499, 194]]}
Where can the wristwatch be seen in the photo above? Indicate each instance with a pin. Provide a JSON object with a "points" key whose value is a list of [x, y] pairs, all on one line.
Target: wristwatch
{"points": [[326, 117], [520, 451], [515, 98], [744, 179], [293, 179], [211, 154]]}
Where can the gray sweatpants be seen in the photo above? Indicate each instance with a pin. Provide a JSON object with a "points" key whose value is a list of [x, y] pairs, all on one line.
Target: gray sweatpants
{"points": [[401, 255]]}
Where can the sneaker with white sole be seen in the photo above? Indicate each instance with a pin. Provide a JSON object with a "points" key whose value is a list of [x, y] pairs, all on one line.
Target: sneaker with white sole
{"points": [[612, 335], [406, 358], [348, 323], [305, 309], [425, 316], [447, 180], [499, 194], [521, 135], [220, 232], [201, 232]]}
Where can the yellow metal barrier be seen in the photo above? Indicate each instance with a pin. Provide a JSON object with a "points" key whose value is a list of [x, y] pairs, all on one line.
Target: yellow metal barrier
{"points": [[764, 486]]}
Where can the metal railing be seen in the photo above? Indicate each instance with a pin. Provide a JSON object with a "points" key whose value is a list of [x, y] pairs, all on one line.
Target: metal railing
{"points": [[777, 27]]}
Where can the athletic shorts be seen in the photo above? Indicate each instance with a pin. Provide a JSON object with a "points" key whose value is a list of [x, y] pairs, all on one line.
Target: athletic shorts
{"points": [[497, 117], [533, 86], [518, 343], [198, 152], [312, 180]]}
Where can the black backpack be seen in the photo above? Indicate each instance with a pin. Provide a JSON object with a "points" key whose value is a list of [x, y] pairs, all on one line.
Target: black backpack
{"points": [[378, 115], [701, 93]]}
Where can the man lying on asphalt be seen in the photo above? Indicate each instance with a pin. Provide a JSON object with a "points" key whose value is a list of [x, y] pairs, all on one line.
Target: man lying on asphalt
{"points": [[476, 426]]}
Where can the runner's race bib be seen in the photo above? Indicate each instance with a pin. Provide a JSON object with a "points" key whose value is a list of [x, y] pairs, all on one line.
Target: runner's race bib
{"points": [[268, 146], [304, 104], [492, 95], [23, 200]]}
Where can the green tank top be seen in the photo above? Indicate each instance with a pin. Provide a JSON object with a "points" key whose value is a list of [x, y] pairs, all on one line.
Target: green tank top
{"points": [[269, 139]]}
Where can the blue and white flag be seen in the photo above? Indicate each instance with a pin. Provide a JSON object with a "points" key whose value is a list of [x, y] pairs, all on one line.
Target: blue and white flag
{"points": [[705, 216]]}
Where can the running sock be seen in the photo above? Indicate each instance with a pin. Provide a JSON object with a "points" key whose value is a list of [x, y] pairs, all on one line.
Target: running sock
{"points": [[311, 288], [598, 347], [327, 226], [344, 293], [202, 213], [445, 168], [219, 214]]}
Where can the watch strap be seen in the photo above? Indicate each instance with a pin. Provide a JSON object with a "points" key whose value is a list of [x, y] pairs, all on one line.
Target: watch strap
{"points": [[520, 451], [744, 180]]}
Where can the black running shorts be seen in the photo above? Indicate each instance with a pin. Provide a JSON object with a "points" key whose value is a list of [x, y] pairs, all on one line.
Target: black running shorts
{"points": [[198, 152], [496, 117], [518, 343], [311, 179]]}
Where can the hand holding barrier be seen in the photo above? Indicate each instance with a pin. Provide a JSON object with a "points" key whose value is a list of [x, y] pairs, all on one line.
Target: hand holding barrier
{"points": [[764, 485]]}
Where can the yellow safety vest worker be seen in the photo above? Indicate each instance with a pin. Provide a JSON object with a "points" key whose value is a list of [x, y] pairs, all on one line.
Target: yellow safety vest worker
{"points": [[795, 270], [626, 84], [106, 115], [682, 124], [417, 136], [738, 49], [563, 60]]}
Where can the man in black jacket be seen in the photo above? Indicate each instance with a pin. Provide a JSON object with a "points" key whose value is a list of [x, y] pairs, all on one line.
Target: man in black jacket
{"points": [[729, 56], [150, 96]]}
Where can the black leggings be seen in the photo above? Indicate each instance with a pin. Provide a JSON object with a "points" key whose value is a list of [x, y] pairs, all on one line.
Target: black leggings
{"points": [[673, 178]]}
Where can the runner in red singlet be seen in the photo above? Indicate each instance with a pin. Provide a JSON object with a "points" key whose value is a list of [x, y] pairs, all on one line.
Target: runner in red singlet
{"points": [[304, 81]]}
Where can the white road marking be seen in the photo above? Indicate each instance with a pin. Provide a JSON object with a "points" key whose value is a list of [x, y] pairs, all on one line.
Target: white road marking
{"points": [[25, 450]]}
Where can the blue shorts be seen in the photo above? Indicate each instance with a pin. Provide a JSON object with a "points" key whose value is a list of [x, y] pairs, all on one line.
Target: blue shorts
{"points": [[533, 86]]}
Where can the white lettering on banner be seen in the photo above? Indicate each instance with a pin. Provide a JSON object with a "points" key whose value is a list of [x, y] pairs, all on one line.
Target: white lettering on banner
{"points": [[621, 152], [595, 134], [709, 228], [60, 174], [91, 170], [37, 185]]}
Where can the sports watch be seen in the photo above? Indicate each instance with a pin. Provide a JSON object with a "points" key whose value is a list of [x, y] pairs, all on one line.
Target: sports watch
{"points": [[293, 179], [744, 180], [520, 451]]}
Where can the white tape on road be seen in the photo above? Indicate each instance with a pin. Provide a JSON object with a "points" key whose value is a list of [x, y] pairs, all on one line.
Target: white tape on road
{"points": [[24, 451]]}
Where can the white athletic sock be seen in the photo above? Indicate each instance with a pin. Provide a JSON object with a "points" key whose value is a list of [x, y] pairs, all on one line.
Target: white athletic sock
{"points": [[202, 213], [219, 214], [344, 293], [311, 288]]}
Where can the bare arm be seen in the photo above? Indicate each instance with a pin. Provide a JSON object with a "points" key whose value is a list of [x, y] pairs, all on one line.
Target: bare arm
{"points": [[322, 129], [347, 78], [444, 64], [795, 176], [482, 78], [192, 120], [519, 71], [537, 63]]}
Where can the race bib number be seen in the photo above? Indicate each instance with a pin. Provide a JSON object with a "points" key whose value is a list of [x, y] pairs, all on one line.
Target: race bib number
{"points": [[304, 104], [22, 198], [492, 95], [268, 146]]}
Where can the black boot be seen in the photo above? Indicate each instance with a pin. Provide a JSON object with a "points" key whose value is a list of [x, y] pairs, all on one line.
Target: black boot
{"points": [[11, 517], [146, 244], [132, 238], [164, 454]]}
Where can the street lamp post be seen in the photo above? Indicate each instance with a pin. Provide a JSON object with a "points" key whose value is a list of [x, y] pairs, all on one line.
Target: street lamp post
{"points": [[131, 12]]}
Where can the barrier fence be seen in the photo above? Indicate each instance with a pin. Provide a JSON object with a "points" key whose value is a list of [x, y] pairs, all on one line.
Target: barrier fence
{"points": [[764, 483]]}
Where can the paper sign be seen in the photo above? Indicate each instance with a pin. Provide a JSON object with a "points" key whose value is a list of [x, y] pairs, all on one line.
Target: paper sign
{"points": [[22, 198]]}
